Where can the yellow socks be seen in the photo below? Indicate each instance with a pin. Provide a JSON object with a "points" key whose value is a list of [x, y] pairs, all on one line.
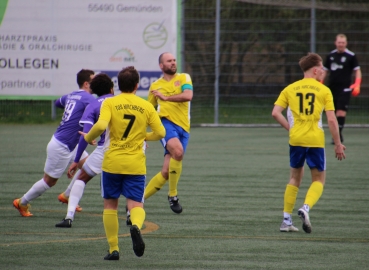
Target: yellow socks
{"points": [[111, 226], [138, 216], [155, 184], [175, 170], [158, 181], [290, 196], [314, 193]]}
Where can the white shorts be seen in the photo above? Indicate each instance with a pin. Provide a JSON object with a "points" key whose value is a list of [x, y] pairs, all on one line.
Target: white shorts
{"points": [[93, 163], [58, 158]]}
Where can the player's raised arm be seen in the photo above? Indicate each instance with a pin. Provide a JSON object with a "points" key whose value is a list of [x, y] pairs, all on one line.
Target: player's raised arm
{"points": [[158, 130]]}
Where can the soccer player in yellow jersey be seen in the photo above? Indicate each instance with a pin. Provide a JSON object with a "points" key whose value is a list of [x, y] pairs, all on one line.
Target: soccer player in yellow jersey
{"points": [[171, 95], [125, 118], [305, 101]]}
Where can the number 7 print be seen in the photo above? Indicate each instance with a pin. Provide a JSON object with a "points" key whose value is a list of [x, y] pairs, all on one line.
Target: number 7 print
{"points": [[131, 119]]}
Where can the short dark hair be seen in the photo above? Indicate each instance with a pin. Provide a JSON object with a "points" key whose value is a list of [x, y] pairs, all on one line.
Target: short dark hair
{"points": [[310, 60], [128, 78], [84, 75], [161, 56], [101, 84]]}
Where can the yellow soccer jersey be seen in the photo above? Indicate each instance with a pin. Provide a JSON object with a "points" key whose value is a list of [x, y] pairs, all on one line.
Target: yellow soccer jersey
{"points": [[176, 112], [128, 116], [306, 99]]}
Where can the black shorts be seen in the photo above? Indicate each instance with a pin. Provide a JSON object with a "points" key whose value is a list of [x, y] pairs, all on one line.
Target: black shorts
{"points": [[341, 98]]}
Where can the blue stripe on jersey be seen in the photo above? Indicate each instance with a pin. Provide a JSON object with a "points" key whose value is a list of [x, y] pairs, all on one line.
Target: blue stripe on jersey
{"points": [[187, 87]]}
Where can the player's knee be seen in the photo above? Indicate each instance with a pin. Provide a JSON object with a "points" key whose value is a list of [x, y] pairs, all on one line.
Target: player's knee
{"points": [[85, 177], [177, 154], [178, 157], [50, 181]]}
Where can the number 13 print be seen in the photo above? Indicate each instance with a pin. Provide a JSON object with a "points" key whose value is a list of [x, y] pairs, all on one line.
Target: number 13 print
{"points": [[311, 99]]}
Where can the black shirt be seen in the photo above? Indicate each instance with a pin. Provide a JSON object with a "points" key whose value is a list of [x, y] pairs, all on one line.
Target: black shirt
{"points": [[341, 66]]}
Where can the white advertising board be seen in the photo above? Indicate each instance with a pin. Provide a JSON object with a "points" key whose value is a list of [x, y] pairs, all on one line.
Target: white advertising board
{"points": [[43, 44]]}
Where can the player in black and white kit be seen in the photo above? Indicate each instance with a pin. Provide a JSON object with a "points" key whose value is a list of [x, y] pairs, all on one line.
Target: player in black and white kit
{"points": [[340, 63]]}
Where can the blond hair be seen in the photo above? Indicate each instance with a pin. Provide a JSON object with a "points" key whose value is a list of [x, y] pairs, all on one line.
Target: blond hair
{"points": [[341, 36]]}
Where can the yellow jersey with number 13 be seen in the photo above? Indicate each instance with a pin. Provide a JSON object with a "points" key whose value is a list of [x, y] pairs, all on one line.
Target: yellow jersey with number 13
{"points": [[306, 99], [176, 112]]}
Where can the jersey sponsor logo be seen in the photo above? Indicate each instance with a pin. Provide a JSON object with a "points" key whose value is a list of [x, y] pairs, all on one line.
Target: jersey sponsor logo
{"points": [[29, 63], [155, 35], [101, 99], [74, 97], [335, 66], [123, 55]]}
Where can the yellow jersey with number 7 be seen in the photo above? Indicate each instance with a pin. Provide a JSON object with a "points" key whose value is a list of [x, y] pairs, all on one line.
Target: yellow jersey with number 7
{"points": [[128, 116]]}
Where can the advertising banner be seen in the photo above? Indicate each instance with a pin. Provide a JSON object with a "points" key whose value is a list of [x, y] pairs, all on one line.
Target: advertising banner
{"points": [[43, 44]]}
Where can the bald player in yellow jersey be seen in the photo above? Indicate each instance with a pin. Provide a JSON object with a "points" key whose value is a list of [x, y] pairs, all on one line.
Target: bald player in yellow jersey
{"points": [[171, 95], [305, 101], [125, 118]]}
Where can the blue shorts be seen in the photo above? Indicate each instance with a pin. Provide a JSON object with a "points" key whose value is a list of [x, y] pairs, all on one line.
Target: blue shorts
{"points": [[315, 157], [174, 131], [130, 186]]}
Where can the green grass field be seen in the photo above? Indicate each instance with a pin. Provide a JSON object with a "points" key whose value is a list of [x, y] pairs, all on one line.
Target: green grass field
{"points": [[231, 190], [236, 110]]}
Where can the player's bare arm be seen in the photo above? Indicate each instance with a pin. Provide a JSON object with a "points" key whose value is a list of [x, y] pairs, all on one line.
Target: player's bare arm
{"points": [[72, 169], [279, 117], [339, 148], [186, 95], [358, 74]]}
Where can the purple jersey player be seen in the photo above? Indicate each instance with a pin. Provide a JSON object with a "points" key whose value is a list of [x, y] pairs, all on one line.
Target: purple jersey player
{"points": [[102, 86], [62, 146], [74, 105]]}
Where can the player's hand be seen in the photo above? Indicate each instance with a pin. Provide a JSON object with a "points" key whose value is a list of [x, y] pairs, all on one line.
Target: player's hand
{"points": [[340, 151], [356, 87], [159, 95], [355, 90], [72, 169], [84, 134]]}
